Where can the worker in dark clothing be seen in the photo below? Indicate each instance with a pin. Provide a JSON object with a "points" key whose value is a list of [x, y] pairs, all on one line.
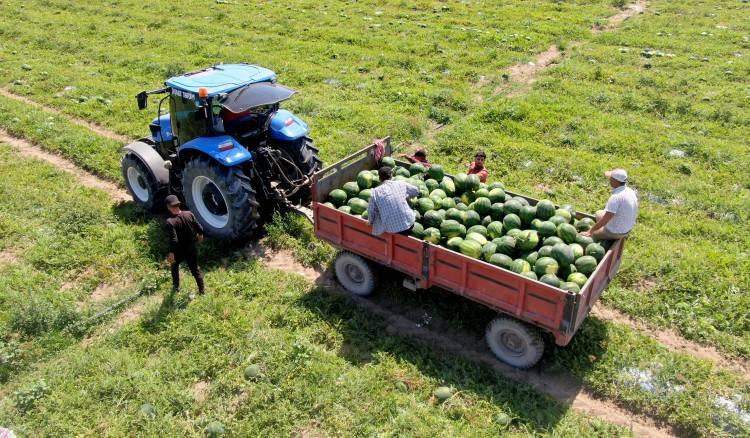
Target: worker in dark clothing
{"points": [[184, 233]]}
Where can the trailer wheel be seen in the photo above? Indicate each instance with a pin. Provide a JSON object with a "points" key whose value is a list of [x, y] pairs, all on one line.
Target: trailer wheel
{"points": [[514, 342], [355, 274]]}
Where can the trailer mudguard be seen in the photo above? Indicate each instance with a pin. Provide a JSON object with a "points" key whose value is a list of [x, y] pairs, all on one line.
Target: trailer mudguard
{"points": [[285, 126], [223, 148], [148, 155]]}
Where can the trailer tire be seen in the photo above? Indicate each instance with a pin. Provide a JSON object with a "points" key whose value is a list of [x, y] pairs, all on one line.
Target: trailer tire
{"points": [[355, 274], [514, 342]]}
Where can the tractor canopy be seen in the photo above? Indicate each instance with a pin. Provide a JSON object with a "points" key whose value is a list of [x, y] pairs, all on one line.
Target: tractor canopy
{"points": [[220, 79], [255, 95]]}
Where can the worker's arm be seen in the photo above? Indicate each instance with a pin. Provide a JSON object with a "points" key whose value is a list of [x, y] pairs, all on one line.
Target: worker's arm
{"points": [[600, 223], [482, 174], [198, 228], [372, 211], [173, 242], [411, 190], [408, 157]]}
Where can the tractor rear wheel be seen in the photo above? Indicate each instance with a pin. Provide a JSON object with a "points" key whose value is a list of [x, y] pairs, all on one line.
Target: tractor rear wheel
{"points": [[142, 183], [305, 156], [221, 198]]}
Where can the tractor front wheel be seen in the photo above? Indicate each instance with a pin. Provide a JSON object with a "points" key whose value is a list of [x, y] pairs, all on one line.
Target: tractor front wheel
{"points": [[221, 198], [142, 183]]}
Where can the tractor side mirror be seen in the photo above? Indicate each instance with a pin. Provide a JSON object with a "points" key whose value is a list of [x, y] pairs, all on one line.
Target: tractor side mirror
{"points": [[142, 99]]}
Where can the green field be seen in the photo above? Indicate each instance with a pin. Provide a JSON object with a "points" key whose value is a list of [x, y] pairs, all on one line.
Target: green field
{"points": [[665, 95]]}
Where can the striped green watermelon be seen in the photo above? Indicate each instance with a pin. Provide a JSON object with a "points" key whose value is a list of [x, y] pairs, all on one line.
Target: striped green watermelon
{"points": [[460, 205], [416, 169], [486, 220], [496, 195], [496, 185], [527, 240], [558, 220], [472, 218], [351, 188], [365, 194], [482, 206], [437, 200], [546, 265], [512, 207], [431, 218], [550, 279], [535, 223], [460, 182], [439, 193], [545, 251], [472, 182], [570, 287], [488, 250], [567, 233], [520, 266], [564, 213], [501, 260], [565, 271], [511, 221], [388, 162], [432, 235], [424, 205], [448, 186], [436, 172], [495, 229], [545, 209], [454, 243], [365, 180], [401, 171], [482, 193], [563, 254], [584, 241], [506, 245], [338, 197], [530, 257], [527, 214], [471, 248], [547, 228], [595, 250], [447, 203], [431, 184], [552, 240], [478, 229], [454, 214], [584, 224], [531, 275], [468, 197], [578, 278], [514, 233], [329, 204], [450, 228], [476, 237], [496, 211], [345, 209], [586, 264], [357, 206], [417, 230], [577, 249]]}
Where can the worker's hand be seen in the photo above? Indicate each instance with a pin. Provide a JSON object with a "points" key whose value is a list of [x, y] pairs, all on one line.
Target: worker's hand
{"points": [[199, 237], [402, 155], [170, 258], [586, 233]]}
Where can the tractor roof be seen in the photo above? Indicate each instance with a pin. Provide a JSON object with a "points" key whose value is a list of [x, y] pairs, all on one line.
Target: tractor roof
{"points": [[221, 78]]}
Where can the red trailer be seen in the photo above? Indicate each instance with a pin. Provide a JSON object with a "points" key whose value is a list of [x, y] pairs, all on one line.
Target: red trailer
{"points": [[526, 306]]}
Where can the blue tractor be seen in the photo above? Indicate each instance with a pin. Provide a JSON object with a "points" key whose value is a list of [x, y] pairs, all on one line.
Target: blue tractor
{"points": [[225, 148]]}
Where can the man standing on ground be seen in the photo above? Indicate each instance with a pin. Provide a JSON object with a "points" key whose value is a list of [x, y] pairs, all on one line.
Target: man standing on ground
{"points": [[477, 167], [389, 211], [618, 217], [184, 233]]}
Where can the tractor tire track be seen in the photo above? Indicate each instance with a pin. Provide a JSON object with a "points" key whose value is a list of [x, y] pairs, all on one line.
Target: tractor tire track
{"points": [[85, 178], [520, 77], [80, 122]]}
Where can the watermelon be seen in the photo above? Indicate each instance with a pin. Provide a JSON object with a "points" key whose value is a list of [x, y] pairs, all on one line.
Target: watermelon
{"points": [[565, 271], [578, 278], [338, 197], [358, 206], [550, 279], [586, 265], [329, 204], [468, 197], [495, 229], [453, 214], [402, 171], [527, 240], [252, 371], [530, 257], [567, 233], [460, 182], [596, 251], [472, 182], [496, 185], [147, 410], [584, 241], [563, 254], [432, 218], [527, 214], [511, 221], [558, 220], [432, 235], [482, 206], [501, 260], [472, 218], [448, 186], [366, 194], [345, 209], [447, 203], [388, 162], [436, 172], [546, 265], [506, 245], [450, 228], [417, 215], [365, 215], [496, 195], [547, 228], [437, 200], [214, 429], [476, 237], [471, 248], [545, 251], [570, 287], [584, 224], [442, 393], [520, 266], [486, 220], [530, 275], [514, 233], [351, 188], [431, 185], [454, 243], [565, 214], [365, 180], [570, 209], [545, 209], [416, 169], [482, 193], [424, 205], [508, 197], [512, 207], [462, 227], [417, 230], [577, 249], [496, 211], [488, 250], [535, 224], [460, 205], [478, 229], [439, 193]]}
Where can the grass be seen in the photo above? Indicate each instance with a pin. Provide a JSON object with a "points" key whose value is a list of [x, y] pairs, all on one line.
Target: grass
{"points": [[323, 368]]}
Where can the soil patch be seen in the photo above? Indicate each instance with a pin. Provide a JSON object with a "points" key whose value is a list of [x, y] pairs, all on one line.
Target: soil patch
{"points": [[8, 256], [672, 340], [85, 178], [86, 124], [630, 10], [283, 260], [200, 391]]}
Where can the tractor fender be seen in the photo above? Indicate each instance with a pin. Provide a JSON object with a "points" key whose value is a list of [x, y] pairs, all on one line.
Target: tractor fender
{"points": [[148, 155], [285, 126], [223, 148]]}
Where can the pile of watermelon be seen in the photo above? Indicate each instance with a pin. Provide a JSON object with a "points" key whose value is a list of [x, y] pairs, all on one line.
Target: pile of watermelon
{"points": [[541, 241]]}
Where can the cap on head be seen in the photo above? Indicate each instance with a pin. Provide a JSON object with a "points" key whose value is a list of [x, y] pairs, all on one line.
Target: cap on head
{"points": [[384, 173], [617, 175], [420, 153], [172, 201]]}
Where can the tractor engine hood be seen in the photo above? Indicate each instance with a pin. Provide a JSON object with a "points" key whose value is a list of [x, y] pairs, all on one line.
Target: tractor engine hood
{"points": [[255, 95]]}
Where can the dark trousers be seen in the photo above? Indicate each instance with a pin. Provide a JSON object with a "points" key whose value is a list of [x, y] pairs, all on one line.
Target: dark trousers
{"points": [[189, 255], [406, 232]]}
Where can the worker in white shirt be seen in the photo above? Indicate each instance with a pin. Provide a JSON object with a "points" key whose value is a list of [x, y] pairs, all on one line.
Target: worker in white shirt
{"points": [[621, 211]]}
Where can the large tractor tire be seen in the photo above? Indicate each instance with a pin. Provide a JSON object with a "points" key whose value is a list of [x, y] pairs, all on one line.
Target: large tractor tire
{"points": [[305, 156], [221, 198], [141, 183]]}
